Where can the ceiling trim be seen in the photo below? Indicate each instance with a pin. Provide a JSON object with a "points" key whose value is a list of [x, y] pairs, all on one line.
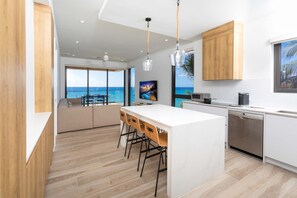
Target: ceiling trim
{"points": [[102, 9]]}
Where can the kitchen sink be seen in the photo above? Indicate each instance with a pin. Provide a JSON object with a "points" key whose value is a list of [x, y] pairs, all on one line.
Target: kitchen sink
{"points": [[288, 112]]}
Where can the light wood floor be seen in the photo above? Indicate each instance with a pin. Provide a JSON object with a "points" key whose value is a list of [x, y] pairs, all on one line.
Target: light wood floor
{"points": [[88, 164]]}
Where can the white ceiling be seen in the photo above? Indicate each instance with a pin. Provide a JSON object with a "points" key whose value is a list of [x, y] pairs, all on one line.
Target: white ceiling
{"points": [[121, 28]]}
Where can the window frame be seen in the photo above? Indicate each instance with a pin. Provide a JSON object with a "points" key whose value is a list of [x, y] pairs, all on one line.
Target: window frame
{"points": [[277, 68], [88, 80], [129, 85], [174, 96]]}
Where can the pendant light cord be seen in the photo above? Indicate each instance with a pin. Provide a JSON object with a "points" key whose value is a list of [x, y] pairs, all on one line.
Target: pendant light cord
{"points": [[148, 38], [177, 22], [148, 20]]}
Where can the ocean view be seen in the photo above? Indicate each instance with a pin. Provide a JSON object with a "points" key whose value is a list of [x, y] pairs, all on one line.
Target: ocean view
{"points": [[116, 94]]}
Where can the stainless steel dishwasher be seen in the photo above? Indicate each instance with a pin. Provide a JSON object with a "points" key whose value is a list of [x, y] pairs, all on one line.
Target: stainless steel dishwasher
{"points": [[245, 131]]}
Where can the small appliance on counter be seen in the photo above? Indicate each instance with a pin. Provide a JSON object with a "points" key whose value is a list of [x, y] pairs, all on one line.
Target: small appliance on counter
{"points": [[207, 100], [199, 97], [243, 99]]}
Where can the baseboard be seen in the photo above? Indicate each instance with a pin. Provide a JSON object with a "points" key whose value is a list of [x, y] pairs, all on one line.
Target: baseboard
{"points": [[281, 164]]}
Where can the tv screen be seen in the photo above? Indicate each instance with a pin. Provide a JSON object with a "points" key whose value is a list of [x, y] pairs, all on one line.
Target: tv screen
{"points": [[148, 90]]}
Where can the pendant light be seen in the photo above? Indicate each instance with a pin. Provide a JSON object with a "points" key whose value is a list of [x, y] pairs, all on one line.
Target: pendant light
{"points": [[148, 63], [177, 57]]}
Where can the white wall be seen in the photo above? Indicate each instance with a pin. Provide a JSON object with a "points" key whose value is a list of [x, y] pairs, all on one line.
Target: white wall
{"points": [[258, 64], [90, 63], [161, 72]]}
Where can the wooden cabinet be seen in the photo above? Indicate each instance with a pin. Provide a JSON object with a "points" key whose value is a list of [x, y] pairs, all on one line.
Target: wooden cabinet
{"points": [[281, 139], [44, 49], [13, 99], [223, 52]]}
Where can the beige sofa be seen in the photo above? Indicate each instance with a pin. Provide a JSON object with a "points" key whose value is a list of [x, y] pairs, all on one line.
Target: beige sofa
{"points": [[72, 116]]}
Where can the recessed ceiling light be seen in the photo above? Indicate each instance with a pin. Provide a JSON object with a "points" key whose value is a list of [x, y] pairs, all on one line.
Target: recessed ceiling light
{"points": [[77, 42], [166, 40], [141, 51], [73, 54], [82, 21]]}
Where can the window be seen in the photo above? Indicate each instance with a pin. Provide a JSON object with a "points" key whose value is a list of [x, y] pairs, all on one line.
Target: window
{"points": [[76, 83], [285, 67], [95, 85], [131, 87], [183, 81], [98, 86], [116, 89]]}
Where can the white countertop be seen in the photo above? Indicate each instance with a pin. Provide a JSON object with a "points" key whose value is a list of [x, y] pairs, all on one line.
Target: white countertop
{"points": [[255, 109], [35, 126], [193, 138], [169, 116]]}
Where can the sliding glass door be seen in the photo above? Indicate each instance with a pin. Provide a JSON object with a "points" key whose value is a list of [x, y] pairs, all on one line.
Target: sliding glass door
{"points": [[76, 83], [131, 86], [183, 81], [98, 86], [95, 86], [116, 88]]}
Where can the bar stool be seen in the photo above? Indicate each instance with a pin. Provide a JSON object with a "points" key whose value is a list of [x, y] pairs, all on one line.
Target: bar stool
{"points": [[136, 138], [151, 132], [126, 122]]}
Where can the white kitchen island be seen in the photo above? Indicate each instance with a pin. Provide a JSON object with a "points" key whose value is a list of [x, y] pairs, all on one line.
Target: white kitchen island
{"points": [[196, 144]]}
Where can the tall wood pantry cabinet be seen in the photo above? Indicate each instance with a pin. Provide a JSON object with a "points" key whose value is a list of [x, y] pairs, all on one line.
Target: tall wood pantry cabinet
{"points": [[223, 52]]}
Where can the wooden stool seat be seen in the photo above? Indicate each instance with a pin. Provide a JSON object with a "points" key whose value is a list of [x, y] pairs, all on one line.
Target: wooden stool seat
{"points": [[136, 138], [126, 122], [163, 139]]}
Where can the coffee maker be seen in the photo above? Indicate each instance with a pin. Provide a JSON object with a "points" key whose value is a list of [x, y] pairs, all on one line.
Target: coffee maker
{"points": [[243, 98]]}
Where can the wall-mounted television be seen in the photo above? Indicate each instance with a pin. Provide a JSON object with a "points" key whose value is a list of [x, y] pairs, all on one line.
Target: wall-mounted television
{"points": [[148, 90]]}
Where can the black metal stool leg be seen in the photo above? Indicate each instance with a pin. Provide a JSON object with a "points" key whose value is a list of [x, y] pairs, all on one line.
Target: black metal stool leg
{"points": [[127, 142], [162, 159], [144, 160], [156, 188], [166, 157], [121, 135], [131, 145], [140, 151]]}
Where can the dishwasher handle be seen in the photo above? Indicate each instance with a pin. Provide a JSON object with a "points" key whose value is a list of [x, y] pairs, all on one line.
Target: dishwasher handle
{"points": [[247, 115]]}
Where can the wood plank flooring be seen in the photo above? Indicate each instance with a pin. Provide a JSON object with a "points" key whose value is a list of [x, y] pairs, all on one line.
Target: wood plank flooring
{"points": [[88, 164]]}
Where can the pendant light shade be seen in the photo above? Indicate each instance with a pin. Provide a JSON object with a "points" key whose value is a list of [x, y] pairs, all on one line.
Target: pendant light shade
{"points": [[178, 56], [148, 63]]}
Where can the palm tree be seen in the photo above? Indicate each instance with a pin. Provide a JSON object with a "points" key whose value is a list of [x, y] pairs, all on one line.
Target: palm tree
{"points": [[291, 51], [188, 67], [289, 70]]}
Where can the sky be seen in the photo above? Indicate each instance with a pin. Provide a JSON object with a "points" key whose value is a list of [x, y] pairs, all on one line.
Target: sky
{"points": [[182, 80], [78, 78]]}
